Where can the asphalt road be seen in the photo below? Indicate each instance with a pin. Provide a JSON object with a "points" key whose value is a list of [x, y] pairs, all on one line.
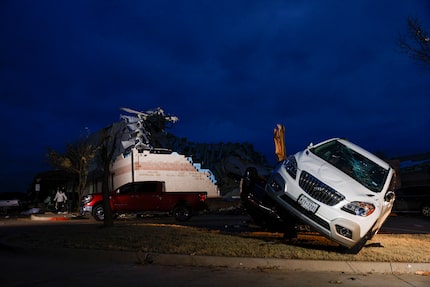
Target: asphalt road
{"points": [[406, 223], [395, 224], [241, 222]]}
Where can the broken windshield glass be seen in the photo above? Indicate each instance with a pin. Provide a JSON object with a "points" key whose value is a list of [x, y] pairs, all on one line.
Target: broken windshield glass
{"points": [[363, 170]]}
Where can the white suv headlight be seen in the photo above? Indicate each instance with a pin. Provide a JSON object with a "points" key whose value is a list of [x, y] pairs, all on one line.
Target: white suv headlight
{"points": [[359, 208], [290, 164]]}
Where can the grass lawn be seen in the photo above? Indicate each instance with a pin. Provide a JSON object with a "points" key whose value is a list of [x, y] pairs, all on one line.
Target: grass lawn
{"points": [[176, 239]]}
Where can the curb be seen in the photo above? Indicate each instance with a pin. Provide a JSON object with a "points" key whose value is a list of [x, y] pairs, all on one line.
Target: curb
{"points": [[355, 267], [142, 258]]}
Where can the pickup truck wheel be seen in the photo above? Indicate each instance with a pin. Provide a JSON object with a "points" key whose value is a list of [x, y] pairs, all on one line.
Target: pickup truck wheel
{"points": [[425, 210], [182, 213], [98, 212]]}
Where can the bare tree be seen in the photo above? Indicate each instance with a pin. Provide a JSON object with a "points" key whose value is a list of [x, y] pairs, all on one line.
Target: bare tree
{"points": [[416, 44], [75, 159]]}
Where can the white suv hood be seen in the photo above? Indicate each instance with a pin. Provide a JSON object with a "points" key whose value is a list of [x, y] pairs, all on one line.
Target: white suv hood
{"points": [[333, 177]]}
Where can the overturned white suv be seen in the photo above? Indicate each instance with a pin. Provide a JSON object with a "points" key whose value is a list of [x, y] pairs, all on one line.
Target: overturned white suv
{"points": [[336, 187]]}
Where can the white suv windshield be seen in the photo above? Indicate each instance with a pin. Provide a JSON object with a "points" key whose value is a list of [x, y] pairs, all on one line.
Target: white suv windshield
{"points": [[366, 172]]}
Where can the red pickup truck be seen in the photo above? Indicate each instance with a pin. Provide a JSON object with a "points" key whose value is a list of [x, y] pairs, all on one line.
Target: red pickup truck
{"points": [[146, 197]]}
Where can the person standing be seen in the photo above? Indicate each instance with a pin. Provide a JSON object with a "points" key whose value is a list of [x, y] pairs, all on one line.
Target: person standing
{"points": [[60, 200]]}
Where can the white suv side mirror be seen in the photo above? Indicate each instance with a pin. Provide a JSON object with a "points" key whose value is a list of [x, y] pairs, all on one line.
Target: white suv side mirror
{"points": [[389, 196]]}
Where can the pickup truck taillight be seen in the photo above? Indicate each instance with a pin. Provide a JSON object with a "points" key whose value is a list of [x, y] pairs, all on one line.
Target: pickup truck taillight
{"points": [[202, 197]]}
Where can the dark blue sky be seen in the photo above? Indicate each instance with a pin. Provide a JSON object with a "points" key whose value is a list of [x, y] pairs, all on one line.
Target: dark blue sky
{"points": [[230, 70]]}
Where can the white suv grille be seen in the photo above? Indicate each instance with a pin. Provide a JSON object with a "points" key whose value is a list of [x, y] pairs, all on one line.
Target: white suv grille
{"points": [[319, 190]]}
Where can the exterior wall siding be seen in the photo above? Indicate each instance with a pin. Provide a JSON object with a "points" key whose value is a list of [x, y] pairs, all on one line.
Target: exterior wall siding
{"points": [[174, 169]]}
